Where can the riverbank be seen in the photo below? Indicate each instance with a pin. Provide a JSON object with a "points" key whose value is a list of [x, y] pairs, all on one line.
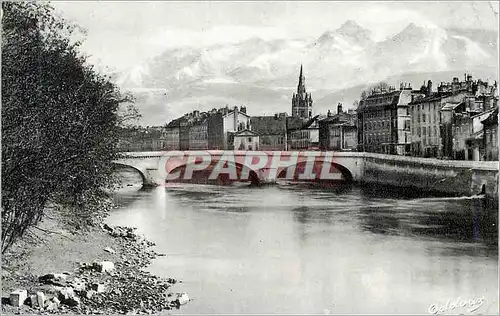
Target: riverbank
{"points": [[79, 280]]}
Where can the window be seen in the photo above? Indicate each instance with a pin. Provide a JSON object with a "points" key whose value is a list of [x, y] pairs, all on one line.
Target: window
{"points": [[249, 139], [407, 125], [429, 132], [424, 131], [423, 117]]}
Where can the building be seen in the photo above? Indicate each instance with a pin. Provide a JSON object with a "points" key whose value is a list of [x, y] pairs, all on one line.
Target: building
{"points": [[206, 130], [246, 140], [302, 101], [384, 121], [490, 136], [441, 121], [232, 121], [476, 141], [271, 130], [339, 132], [138, 138], [171, 135], [184, 125], [305, 136], [198, 133], [445, 123]]}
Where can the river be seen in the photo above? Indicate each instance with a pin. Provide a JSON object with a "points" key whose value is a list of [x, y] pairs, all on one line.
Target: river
{"points": [[297, 249]]}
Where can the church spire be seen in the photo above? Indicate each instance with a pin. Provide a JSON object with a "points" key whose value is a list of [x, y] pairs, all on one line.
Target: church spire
{"points": [[302, 101], [301, 88]]}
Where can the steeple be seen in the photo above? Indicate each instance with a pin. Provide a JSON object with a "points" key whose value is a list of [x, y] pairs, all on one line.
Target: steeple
{"points": [[301, 88], [302, 101]]}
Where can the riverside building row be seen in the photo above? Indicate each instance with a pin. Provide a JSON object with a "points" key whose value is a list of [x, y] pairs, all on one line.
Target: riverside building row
{"points": [[457, 120]]}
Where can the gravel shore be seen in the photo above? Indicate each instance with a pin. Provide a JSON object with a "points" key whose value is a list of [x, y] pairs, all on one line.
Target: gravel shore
{"points": [[68, 269]]}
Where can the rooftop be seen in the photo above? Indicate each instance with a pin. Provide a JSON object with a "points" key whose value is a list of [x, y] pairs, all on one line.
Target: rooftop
{"points": [[268, 125]]}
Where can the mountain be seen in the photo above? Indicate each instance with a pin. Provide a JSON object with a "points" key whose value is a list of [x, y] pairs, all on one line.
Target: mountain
{"points": [[348, 35], [263, 74]]}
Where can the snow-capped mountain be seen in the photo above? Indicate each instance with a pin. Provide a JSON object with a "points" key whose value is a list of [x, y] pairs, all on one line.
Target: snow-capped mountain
{"points": [[262, 74], [350, 35]]}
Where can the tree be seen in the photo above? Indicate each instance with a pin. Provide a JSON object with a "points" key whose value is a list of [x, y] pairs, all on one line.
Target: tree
{"points": [[59, 123], [381, 86], [355, 104]]}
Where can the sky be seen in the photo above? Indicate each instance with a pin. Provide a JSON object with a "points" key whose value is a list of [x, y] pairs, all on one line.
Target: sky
{"points": [[122, 34]]}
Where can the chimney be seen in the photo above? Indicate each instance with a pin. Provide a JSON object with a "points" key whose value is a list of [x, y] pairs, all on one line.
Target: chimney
{"points": [[339, 108], [243, 109], [429, 88], [329, 114]]}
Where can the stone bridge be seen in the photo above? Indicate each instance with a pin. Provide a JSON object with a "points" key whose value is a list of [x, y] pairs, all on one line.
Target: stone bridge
{"points": [[447, 176], [251, 166]]}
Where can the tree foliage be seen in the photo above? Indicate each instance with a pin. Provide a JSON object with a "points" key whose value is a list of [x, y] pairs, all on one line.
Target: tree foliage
{"points": [[59, 123], [374, 89]]}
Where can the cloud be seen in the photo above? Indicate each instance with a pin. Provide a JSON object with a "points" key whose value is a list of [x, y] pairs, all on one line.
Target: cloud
{"points": [[173, 37]]}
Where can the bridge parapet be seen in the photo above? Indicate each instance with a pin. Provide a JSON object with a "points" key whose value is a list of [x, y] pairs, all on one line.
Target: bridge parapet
{"points": [[267, 165], [424, 173]]}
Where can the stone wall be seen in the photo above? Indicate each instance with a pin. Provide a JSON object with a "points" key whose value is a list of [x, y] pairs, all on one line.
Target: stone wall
{"points": [[445, 176]]}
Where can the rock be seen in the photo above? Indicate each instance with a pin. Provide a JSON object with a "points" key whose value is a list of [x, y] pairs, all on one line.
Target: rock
{"points": [[103, 266], [182, 298], [89, 294], [110, 250], [53, 278], [53, 304], [78, 285], [67, 296], [33, 301], [74, 301], [99, 288], [40, 297], [18, 297]]}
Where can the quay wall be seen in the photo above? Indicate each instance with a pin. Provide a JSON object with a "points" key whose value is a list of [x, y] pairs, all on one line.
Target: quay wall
{"points": [[445, 176]]}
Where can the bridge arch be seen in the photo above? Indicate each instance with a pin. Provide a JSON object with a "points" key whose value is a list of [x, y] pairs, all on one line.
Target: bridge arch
{"points": [[138, 170], [299, 167], [253, 176]]}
